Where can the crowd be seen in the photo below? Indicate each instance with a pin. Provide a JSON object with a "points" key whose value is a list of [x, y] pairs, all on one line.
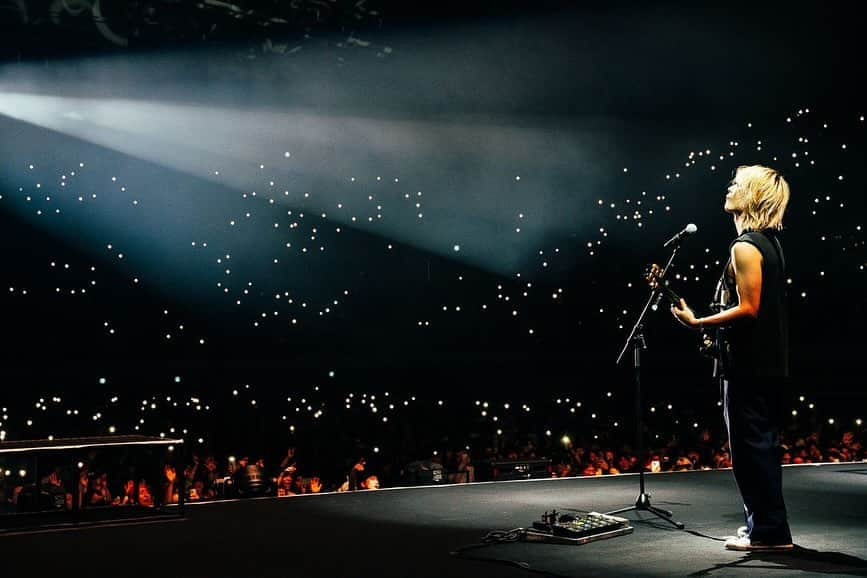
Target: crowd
{"points": [[704, 455], [109, 481], [106, 479]]}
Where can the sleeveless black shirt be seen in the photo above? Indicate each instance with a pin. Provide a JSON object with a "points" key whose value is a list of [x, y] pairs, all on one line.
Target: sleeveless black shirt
{"points": [[759, 347]]}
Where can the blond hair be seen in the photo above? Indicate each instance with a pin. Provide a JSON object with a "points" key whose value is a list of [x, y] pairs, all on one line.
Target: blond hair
{"points": [[766, 195]]}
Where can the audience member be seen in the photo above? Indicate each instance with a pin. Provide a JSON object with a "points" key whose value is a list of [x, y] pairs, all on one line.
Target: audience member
{"points": [[356, 474]]}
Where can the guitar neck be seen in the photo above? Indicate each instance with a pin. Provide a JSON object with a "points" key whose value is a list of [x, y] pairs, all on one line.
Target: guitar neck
{"points": [[669, 293]]}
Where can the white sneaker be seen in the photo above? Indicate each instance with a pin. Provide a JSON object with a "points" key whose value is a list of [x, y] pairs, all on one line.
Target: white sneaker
{"points": [[744, 544], [742, 532]]}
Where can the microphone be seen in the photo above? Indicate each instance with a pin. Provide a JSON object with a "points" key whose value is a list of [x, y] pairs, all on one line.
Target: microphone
{"points": [[688, 230]]}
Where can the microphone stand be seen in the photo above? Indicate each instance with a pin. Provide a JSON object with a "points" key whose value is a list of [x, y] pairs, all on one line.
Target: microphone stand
{"points": [[637, 343]]}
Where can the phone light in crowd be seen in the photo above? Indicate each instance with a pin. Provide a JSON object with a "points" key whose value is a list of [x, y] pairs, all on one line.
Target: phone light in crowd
{"points": [[22, 473], [565, 440]]}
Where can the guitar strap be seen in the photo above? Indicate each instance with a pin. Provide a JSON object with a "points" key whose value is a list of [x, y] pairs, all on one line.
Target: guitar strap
{"points": [[720, 299], [779, 249]]}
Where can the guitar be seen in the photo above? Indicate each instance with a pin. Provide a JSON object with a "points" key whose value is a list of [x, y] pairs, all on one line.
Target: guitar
{"points": [[708, 341]]}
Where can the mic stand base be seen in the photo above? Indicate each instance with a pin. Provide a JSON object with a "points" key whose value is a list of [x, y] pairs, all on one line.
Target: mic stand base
{"points": [[643, 504]]}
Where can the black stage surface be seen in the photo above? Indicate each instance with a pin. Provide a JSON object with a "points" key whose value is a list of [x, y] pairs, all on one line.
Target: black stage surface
{"points": [[411, 532]]}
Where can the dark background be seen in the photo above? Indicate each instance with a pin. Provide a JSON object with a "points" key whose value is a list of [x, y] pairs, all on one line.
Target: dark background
{"points": [[670, 75]]}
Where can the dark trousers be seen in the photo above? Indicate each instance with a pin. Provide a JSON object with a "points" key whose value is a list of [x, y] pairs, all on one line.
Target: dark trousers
{"points": [[752, 415]]}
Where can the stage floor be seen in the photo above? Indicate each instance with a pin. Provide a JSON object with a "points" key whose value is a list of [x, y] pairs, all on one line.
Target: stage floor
{"points": [[411, 532]]}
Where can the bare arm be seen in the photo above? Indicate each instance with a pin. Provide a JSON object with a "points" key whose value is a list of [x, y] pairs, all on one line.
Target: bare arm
{"points": [[171, 476], [747, 264]]}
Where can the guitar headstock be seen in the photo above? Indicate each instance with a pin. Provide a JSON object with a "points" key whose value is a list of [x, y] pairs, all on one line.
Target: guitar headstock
{"points": [[652, 275]]}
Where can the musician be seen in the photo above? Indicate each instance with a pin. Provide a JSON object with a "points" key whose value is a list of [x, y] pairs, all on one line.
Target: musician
{"points": [[754, 353]]}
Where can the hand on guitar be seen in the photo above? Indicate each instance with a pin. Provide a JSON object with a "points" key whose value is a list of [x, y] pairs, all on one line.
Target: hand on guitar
{"points": [[687, 318], [685, 315]]}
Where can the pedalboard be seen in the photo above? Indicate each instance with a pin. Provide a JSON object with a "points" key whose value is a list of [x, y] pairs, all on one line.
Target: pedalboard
{"points": [[576, 529]]}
